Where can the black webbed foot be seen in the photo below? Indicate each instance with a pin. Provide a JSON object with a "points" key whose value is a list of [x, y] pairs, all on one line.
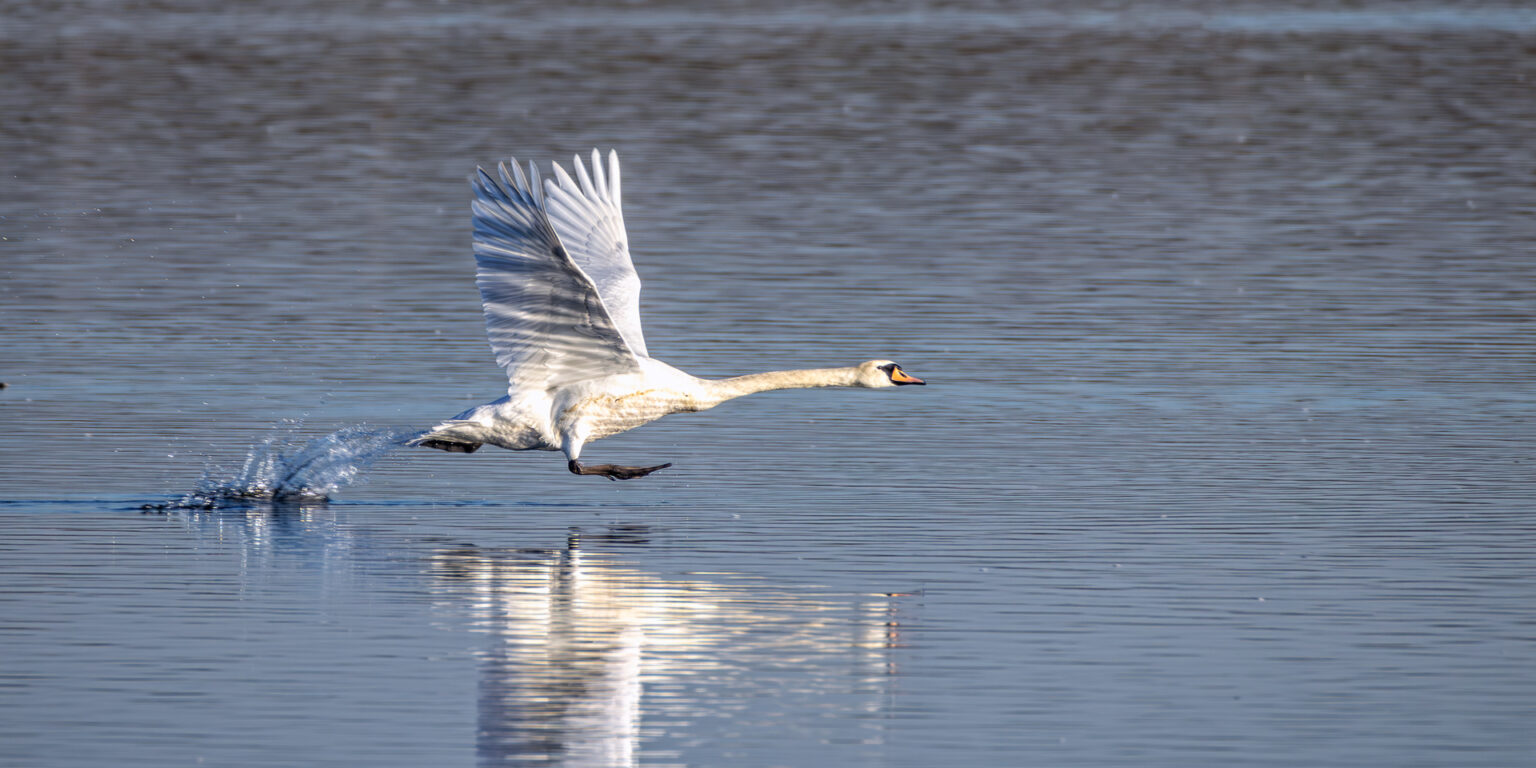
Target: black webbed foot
{"points": [[613, 471]]}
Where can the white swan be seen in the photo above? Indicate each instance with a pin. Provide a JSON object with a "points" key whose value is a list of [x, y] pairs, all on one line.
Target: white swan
{"points": [[562, 312]]}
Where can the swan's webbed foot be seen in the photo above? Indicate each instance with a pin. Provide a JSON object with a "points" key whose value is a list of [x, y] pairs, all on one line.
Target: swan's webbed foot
{"points": [[613, 471]]}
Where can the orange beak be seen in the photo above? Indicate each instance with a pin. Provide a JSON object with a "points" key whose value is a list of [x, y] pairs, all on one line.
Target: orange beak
{"points": [[901, 377]]}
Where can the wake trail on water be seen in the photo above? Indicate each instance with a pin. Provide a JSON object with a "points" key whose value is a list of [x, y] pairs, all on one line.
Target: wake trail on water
{"points": [[285, 467]]}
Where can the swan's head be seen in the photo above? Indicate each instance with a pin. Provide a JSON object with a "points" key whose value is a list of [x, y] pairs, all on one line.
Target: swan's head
{"points": [[883, 373]]}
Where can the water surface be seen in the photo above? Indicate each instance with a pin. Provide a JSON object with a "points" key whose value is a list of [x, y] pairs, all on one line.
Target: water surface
{"points": [[1226, 457]]}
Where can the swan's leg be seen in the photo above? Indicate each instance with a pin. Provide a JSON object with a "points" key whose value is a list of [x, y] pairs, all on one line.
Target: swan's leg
{"points": [[571, 443], [613, 471]]}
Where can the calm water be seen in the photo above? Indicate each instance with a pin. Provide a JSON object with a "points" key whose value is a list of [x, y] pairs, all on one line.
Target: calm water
{"points": [[1226, 460]]}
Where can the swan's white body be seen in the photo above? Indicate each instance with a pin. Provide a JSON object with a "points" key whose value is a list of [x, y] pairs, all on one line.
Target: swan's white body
{"points": [[562, 312]]}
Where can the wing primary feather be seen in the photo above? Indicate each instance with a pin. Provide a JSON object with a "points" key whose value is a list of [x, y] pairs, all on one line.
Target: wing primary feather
{"points": [[515, 179], [599, 179], [535, 183], [613, 181], [568, 197], [563, 180], [489, 187], [569, 194], [585, 179], [515, 191], [522, 181], [504, 211]]}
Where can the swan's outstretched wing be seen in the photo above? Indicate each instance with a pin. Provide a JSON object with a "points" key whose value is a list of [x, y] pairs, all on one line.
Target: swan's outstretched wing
{"points": [[587, 215], [544, 315]]}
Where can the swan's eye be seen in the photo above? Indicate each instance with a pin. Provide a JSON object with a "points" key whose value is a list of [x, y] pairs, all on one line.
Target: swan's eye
{"points": [[889, 368]]}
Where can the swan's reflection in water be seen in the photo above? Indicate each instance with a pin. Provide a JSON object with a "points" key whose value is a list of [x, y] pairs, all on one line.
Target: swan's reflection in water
{"points": [[592, 659]]}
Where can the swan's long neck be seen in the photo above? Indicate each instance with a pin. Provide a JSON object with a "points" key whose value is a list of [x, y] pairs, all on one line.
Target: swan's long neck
{"points": [[721, 390]]}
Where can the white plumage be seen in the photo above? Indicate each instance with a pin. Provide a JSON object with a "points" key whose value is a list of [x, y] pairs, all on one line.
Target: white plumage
{"points": [[562, 312]]}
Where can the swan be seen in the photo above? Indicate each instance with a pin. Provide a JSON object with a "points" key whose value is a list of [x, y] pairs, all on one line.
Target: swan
{"points": [[562, 313]]}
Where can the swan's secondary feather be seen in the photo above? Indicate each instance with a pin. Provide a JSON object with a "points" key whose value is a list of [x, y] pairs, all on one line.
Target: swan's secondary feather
{"points": [[544, 315]]}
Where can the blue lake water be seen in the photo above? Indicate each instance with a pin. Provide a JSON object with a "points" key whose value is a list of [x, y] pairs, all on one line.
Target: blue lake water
{"points": [[1226, 457]]}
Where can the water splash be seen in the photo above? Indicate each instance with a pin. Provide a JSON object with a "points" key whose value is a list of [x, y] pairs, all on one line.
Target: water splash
{"points": [[285, 468]]}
